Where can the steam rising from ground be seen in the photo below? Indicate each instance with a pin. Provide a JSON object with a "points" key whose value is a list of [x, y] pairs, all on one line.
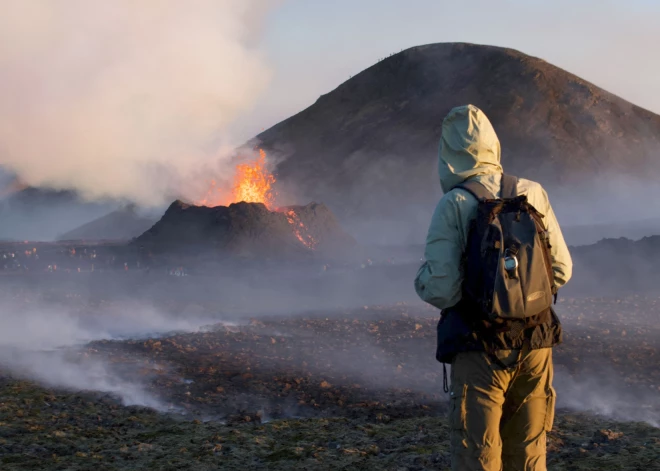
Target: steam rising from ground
{"points": [[39, 344], [603, 394], [124, 99]]}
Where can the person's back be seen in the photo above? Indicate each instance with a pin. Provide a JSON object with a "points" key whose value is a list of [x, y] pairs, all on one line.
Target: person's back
{"points": [[502, 400]]}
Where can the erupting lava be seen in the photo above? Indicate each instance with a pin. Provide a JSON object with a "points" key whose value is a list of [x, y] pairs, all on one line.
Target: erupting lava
{"points": [[253, 183], [299, 229]]}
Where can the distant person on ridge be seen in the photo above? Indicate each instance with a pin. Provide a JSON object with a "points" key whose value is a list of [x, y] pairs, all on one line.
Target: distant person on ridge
{"points": [[495, 257]]}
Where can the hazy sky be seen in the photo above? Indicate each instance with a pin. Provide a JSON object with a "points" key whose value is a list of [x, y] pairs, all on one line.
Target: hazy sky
{"points": [[314, 45]]}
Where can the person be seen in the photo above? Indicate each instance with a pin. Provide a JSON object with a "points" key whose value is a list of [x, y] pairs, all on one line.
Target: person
{"points": [[501, 395]]}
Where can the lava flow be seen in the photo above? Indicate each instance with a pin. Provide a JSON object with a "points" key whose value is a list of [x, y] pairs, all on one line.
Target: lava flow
{"points": [[299, 229]]}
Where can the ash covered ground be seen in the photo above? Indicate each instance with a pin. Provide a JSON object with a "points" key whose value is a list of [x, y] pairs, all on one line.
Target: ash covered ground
{"points": [[312, 367]]}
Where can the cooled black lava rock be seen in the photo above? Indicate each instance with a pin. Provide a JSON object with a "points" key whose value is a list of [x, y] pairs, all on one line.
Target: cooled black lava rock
{"points": [[246, 230]]}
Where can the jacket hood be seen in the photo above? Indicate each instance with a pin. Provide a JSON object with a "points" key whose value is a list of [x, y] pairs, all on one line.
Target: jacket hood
{"points": [[468, 147]]}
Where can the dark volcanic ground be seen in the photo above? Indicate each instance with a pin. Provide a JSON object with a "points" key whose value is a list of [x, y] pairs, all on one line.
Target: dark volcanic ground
{"points": [[336, 362], [330, 389]]}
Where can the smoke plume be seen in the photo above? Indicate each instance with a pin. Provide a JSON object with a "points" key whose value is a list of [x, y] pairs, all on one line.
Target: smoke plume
{"points": [[43, 344], [124, 99]]}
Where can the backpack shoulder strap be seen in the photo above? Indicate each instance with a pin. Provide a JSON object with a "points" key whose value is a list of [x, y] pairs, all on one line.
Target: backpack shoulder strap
{"points": [[476, 189], [509, 188]]}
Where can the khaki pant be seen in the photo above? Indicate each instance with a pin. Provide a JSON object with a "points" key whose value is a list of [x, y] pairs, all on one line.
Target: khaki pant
{"points": [[499, 417]]}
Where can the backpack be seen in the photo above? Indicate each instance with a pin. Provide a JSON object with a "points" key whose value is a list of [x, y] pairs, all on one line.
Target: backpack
{"points": [[507, 267]]}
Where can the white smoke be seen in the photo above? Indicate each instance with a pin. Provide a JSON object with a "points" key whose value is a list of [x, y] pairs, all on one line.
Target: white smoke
{"points": [[42, 344], [124, 99], [605, 394]]}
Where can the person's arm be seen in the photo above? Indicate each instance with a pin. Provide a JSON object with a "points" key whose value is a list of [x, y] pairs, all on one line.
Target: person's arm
{"points": [[562, 265], [439, 280]]}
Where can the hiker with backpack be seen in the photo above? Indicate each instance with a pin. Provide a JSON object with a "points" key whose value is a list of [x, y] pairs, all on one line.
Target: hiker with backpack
{"points": [[494, 259]]}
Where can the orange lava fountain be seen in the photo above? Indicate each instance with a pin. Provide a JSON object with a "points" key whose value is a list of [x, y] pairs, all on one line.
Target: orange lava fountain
{"points": [[253, 183]]}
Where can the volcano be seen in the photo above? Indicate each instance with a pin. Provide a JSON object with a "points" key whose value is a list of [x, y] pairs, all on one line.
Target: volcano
{"points": [[369, 147], [246, 230]]}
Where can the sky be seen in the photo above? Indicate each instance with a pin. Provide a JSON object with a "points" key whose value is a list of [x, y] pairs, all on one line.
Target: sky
{"points": [[312, 46]]}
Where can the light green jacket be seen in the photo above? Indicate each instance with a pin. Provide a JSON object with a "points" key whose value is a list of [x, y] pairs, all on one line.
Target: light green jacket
{"points": [[470, 149]]}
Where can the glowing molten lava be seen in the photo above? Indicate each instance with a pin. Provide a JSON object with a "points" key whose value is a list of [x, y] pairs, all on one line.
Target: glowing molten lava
{"points": [[299, 229], [253, 183]]}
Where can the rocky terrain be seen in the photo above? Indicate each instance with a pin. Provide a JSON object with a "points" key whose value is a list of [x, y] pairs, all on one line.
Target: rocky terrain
{"points": [[352, 389], [56, 430]]}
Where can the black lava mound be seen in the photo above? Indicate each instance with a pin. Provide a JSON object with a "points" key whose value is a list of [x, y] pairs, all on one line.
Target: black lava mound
{"points": [[247, 230]]}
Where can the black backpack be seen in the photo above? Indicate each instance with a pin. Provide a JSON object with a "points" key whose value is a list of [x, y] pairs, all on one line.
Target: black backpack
{"points": [[507, 267]]}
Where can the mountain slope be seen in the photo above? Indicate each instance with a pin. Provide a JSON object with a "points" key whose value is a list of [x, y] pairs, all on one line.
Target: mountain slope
{"points": [[368, 148], [122, 224]]}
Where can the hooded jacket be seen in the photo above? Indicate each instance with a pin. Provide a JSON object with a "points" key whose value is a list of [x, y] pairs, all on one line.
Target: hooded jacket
{"points": [[470, 149]]}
